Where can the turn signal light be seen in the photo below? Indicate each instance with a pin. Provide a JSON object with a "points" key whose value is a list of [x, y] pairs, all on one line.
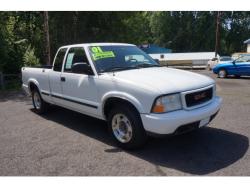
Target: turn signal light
{"points": [[158, 108]]}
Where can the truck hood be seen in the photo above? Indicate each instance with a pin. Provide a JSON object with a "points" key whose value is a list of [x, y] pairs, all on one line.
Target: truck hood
{"points": [[162, 79]]}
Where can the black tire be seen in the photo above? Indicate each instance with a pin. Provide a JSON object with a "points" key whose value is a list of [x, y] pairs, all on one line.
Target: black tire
{"points": [[222, 73], [43, 105], [139, 136]]}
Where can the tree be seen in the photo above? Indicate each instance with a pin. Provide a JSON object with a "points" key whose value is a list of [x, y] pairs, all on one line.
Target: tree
{"points": [[179, 31], [217, 35], [47, 41]]}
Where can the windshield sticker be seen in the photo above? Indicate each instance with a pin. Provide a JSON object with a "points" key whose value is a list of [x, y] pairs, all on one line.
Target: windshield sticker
{"points": [[97, 53]]}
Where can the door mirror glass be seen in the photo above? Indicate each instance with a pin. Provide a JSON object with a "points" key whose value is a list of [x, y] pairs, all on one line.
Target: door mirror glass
{"points": [[81, 68]]}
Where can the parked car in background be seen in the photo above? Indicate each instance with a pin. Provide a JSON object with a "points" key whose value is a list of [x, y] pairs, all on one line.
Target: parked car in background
{"points": [[213, 62], [238, 67]]}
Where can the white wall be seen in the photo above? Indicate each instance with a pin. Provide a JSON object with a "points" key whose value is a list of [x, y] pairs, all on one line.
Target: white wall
{"points": [[197, 58], [200, 62]]}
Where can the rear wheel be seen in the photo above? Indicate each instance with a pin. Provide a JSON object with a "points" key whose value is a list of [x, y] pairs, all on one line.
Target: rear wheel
{"points": [[39, 104], [222, 73], [126, 128]]}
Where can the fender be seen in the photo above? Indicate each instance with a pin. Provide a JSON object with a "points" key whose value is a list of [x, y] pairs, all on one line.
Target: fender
{"points": [[34, 81], [121, 95]]}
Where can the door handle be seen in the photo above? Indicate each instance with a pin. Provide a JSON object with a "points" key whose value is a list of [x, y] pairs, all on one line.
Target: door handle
{"points": [[63, 79]]}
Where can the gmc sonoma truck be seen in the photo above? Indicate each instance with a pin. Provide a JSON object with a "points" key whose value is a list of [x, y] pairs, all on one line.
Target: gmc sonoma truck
{"points": [[123, 85]]}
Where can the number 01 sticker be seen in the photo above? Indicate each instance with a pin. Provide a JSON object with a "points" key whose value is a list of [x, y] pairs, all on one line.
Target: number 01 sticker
{"points": [[98, 53]]}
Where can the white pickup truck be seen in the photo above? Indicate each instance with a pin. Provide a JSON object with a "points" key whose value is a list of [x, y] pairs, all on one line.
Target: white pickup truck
{"points": [[121, 84]]}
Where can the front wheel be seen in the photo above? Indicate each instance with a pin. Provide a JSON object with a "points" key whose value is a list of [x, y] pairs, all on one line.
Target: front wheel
{"points": [[126, 128], [39, 104], [222, 73]]}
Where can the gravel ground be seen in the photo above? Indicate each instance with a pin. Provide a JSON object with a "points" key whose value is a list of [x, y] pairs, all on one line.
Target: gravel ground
{"points": [[63, 142]]}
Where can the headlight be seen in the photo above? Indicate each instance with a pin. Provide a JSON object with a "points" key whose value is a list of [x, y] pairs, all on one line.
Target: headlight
{"points": [[167, 103]]}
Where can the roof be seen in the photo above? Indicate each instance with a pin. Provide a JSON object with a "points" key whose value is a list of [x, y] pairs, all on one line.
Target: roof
{"points": [[154, 49], [96, 44], [247, 41], [186, 56]]}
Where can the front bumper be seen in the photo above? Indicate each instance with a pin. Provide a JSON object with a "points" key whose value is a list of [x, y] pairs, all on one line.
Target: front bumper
{"points": [[168, 123]]}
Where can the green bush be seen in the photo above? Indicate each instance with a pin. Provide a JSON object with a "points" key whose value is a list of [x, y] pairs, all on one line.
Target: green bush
{"points": [[30, 58]]}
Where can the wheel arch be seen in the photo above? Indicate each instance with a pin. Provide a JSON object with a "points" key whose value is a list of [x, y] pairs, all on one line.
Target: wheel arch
{"points": [[33, 84], [222, 68], [112, 99]]}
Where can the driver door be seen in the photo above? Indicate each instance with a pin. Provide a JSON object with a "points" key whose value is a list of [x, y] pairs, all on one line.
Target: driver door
{"points": [[243, 68], [79, 90]]}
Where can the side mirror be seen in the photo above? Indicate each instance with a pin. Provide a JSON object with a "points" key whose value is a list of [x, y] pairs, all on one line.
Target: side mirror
{"points": [[82, 68]]}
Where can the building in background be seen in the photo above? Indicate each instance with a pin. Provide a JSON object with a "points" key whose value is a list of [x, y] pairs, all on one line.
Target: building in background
{"points": [[248, 45], [185, 59], [167, 58], [238, 54]]}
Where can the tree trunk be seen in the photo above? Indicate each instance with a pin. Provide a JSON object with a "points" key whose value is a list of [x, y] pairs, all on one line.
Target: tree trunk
{"points": [[47, 42], [75, 24], [217, 35]]}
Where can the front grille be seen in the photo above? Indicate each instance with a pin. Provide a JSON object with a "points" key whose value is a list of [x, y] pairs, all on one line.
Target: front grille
{"points": [[200, 97]]}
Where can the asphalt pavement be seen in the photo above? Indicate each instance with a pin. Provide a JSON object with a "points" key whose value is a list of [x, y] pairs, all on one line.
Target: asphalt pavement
{"points": [[64, 142]]}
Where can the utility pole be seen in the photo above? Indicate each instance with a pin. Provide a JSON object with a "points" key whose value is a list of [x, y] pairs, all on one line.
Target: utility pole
{"points": [[217, 34], [47, 41]]}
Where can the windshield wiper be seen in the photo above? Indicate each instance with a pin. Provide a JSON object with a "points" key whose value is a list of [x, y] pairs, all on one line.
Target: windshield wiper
{"points": [[148, 65], [119, 68]]}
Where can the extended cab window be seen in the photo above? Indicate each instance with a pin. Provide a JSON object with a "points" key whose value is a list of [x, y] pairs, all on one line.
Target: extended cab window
{"points": [[75, 55], [59, 59]]}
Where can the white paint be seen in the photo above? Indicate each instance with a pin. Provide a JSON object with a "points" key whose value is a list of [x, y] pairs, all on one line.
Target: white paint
{"points": [[197, 58], [138, 86]]}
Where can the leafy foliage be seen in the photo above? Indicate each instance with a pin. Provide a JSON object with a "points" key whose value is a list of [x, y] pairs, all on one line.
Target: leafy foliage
{"points": [[30, 58], [179, 31]]}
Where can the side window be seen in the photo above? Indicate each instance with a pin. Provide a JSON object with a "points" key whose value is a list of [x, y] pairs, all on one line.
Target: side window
{"points": [[59, 59], [75, 55]]}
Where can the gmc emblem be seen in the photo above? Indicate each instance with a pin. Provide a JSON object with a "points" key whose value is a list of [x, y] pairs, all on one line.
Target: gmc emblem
{"points": [[200, 96]]}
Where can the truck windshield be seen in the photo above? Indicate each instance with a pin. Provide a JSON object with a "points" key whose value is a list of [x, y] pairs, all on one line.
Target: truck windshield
{"points": [[118, 58]]}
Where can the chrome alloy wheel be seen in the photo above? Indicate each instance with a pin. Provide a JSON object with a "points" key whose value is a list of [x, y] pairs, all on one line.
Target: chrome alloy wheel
{"points": [[222, 73], [122, 128], [37, 100]]}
